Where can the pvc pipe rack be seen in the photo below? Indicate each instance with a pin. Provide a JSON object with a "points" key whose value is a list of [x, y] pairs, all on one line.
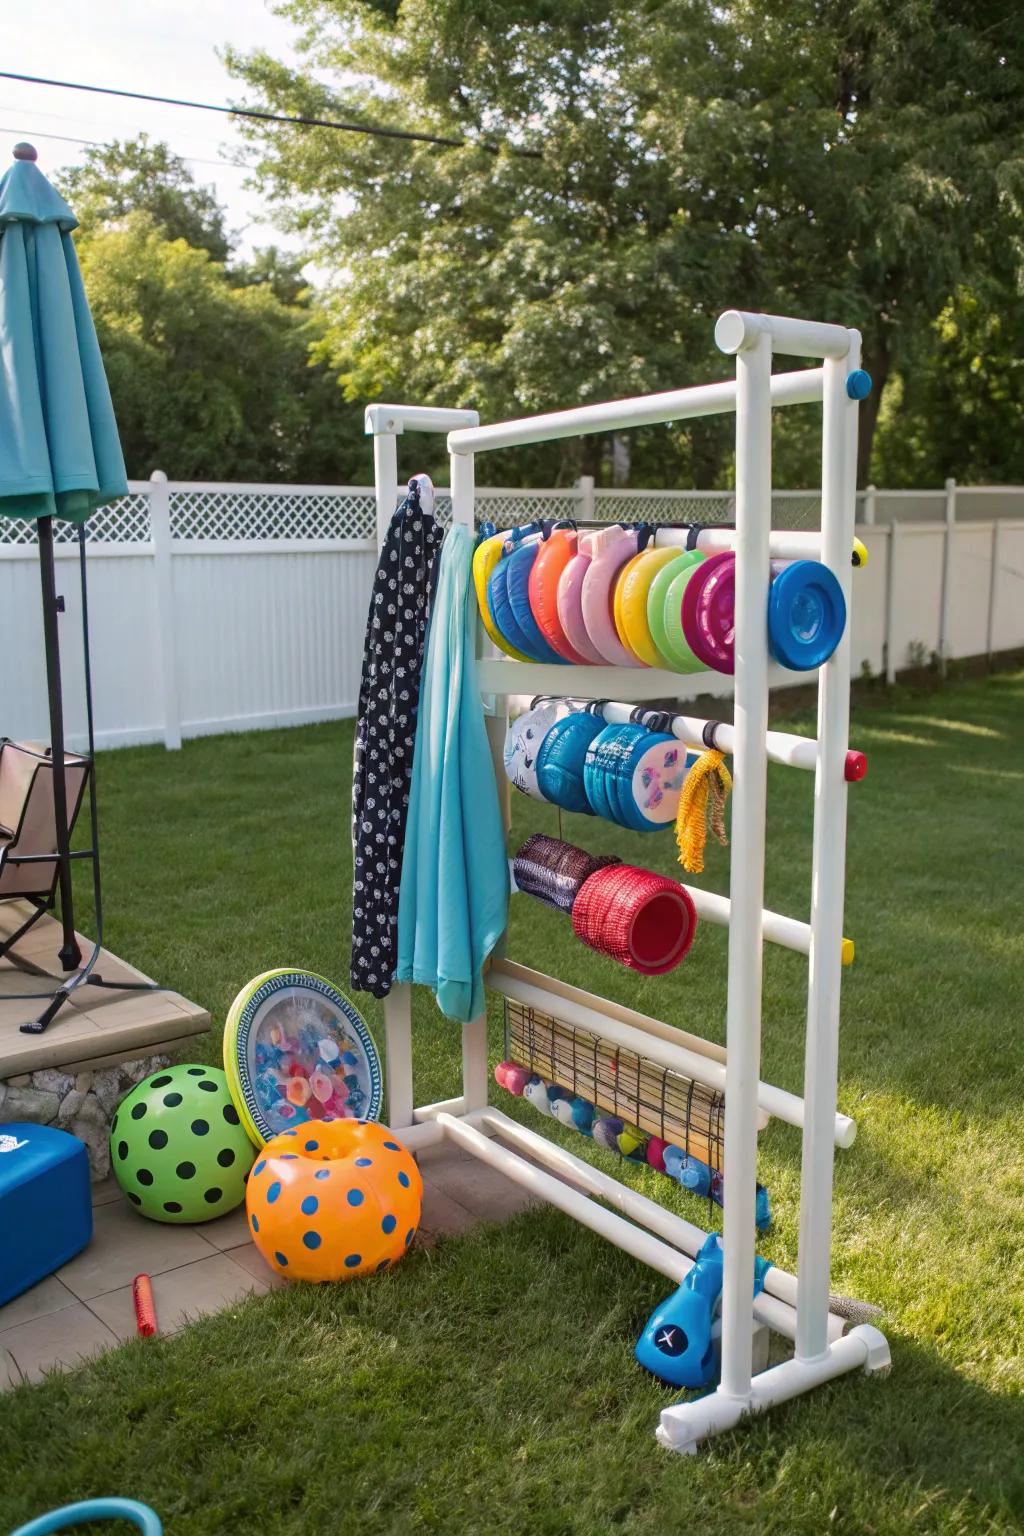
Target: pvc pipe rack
{"points": [[781, 746], [800, 1308]]}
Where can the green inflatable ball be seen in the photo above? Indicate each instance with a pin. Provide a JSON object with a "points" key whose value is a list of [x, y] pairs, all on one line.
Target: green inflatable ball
{"points": [[178, 1148]]}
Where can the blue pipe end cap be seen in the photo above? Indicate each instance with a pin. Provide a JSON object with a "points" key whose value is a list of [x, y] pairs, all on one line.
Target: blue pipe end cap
{"points": [[858, 384]]}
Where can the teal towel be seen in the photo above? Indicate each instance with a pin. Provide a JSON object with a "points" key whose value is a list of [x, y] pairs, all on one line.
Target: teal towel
{"points": [[453, 898]]}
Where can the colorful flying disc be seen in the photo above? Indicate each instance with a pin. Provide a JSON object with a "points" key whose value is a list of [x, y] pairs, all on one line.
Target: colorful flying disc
{"points": [[709, 613], [631, 595], [296, 1050], [485, 558], [806, 615], [664, 601]]}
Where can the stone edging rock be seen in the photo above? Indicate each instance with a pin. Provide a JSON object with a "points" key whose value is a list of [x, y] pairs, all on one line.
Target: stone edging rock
{"points": [[82, 1103]]}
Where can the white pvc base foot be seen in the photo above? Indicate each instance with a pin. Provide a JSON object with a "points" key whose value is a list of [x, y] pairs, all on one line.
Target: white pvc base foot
{"points": [[685, 1425]]}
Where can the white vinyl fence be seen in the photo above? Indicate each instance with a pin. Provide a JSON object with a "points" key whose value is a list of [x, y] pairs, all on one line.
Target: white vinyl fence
{"points": [[219, 607]]}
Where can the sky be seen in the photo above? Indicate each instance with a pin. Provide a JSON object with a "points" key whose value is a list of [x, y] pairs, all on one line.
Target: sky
{"points": [[167, 47]]}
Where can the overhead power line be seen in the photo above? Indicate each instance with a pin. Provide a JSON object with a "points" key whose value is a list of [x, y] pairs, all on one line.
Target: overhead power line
{"points": [[67, 138], [63, 138], [274, 117]]}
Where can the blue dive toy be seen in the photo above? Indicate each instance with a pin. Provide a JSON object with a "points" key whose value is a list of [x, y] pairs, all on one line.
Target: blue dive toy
{"points": [[697, 1177], [677, 1344]]}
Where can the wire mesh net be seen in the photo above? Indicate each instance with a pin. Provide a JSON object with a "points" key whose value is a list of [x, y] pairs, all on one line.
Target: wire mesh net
{"points": [[619, 1082]]}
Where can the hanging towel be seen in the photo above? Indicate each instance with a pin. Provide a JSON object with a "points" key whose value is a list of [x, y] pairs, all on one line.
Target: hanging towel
{"points": [[453, 905], [386, 729]]}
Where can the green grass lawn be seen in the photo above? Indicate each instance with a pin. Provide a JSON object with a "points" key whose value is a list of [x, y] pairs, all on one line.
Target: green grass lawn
{"points": [[488, 1385]]}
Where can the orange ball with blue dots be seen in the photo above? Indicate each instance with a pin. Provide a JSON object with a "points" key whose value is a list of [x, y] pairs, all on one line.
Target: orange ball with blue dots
{"points": [[333, 1199]]}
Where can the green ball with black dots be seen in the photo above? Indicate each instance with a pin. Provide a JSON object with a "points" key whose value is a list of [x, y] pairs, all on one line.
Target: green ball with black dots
{"points": [[178, 1148]]}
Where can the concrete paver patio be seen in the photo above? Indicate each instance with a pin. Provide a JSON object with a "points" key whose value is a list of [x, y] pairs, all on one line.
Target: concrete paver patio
{"points": [[87, 1305]]}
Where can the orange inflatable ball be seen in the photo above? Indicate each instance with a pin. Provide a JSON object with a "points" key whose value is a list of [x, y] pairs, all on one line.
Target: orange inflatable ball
{"points": [[333, 1199]]}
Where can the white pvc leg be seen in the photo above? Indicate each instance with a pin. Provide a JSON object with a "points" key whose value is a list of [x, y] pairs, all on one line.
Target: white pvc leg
{"points": [[475, 1076], [685, 1425], [821, 1066], [385, 474], [746, 887], [398, 1041]]}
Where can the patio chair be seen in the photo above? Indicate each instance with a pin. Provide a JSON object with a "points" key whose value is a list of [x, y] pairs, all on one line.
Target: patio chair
{"points": [[28, 826]]}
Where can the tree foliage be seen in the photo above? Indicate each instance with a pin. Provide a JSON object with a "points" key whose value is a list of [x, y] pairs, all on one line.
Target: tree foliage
{"points": [[853, 161], [216, 371], [211, 380], [142, 176]]}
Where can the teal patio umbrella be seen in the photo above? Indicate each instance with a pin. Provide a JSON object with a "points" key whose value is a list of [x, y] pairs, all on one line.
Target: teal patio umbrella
{"points": [[60, 456]]}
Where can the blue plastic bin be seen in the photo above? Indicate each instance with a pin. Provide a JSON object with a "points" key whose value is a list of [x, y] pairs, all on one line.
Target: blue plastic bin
{"points": [[45, 1203]]}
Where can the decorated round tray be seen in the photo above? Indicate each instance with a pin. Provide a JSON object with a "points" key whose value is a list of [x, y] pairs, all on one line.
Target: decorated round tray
{"points": [[296, 1050]]}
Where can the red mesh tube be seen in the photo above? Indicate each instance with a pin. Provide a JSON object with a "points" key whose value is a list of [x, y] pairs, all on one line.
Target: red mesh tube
{"points": [[145, 1306], [641, 919]]}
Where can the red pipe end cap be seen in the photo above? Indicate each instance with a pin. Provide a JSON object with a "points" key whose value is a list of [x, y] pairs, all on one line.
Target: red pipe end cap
{"points": [[856, 767]]}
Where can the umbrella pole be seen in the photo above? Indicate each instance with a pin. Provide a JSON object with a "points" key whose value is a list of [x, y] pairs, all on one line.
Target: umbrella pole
{"points": [[70, 955]]}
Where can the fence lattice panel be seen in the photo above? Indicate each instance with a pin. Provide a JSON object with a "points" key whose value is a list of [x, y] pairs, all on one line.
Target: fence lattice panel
{"points": [[243, 512], [123, 522]]}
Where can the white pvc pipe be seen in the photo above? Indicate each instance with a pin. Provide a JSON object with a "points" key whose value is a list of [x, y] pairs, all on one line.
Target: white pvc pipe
{"points": [[504, 676], [475, 1077], [774, 1309], [828, 874], [657, 1048], [737, 330], [800, 388], [554, 988], [385, 479], [398, 1055], [750, 769], [779, 1284], [419, 1136], [416, 418], [783, 543], [793, 751], [442, 1107], [684, 1425], [632, 1239], [776, 927], [607, 1224], [398, 1003]]}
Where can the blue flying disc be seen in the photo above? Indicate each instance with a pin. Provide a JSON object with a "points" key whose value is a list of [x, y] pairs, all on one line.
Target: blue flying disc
{"points": [[806, 615]]}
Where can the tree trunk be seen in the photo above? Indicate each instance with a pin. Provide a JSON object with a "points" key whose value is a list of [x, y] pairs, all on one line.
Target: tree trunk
{"points": [[590, 451], [620, 459], [876, 360]]}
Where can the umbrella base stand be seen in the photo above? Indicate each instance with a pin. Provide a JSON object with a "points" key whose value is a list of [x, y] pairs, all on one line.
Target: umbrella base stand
{"points": [[63, 994], [64, 991]]}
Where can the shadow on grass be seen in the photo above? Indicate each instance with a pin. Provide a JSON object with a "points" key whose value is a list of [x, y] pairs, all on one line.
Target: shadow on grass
{"points": [[489, 1386]]}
